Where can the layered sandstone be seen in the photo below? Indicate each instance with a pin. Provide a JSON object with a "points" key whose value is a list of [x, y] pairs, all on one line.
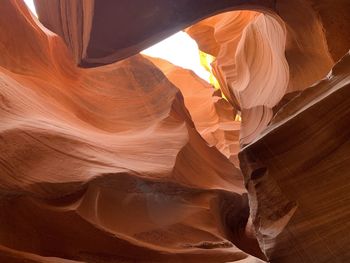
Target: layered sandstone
{"points": [[258, 60], [212, 115], [136, 160], [105, 164], [132, 26], [297, 175]]}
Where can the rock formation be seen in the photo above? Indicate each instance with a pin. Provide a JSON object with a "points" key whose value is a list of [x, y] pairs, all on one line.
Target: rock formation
{"points": [[136, 160], [250, 44], [297, 175], [132, 26], [105, 164], [211, 114]]}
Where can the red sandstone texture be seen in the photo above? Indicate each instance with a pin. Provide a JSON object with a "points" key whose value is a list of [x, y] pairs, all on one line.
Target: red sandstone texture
{"points": [[138, 160]]}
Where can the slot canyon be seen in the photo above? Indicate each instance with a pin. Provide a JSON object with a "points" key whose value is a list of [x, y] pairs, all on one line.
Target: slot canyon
{"points": [[109, 155]]}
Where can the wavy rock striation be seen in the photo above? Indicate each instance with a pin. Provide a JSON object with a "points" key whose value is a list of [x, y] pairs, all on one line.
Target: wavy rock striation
{"points": [[117, 163], [297, 175], [211, 114], [260, 58], [132, 26], [105, 164]]}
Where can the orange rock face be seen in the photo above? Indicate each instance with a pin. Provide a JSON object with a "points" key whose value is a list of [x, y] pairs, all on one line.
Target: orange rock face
{"points": [[211, 114], [105, 164], [302, 198], [258, 60], [137, 160]]}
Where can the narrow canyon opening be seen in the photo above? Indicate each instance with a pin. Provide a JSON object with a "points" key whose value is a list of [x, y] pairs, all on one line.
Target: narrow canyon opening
{"points": [[233, 147]]}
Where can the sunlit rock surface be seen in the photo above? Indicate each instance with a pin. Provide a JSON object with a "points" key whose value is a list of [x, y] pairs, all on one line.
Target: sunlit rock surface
{"points": [[260, 58], [212, 115], [105, 164], [136, 160]]}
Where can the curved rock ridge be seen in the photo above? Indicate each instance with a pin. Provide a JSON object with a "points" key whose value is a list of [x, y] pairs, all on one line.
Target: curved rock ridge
{"points": [[317, 28], [297, 200], [82, 23], [135, 161], [261, 57], [250, 64], [105, 164], [14, 256], [219, 36], [212, 115]]}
